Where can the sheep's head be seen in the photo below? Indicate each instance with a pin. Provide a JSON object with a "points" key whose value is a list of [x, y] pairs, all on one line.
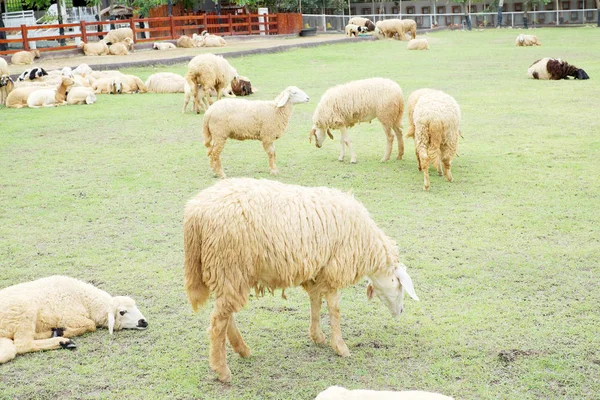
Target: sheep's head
{"points": [[390, 289], [319, 134], [521, 38], [36, 54], [125, 315], [293, 95], [117, 86], [155, 46]]}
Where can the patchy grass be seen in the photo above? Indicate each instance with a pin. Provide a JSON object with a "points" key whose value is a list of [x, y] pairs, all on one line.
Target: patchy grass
{"points": [[505, 259]]}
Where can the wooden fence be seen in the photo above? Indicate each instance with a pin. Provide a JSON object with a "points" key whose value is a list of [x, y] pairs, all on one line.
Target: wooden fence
{"points": [[162, 28]]}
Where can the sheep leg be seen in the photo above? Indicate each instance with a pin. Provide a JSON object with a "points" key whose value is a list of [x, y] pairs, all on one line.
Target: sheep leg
{"points": [[346, 140], [424, 164], [398, 132], [316, 300], [270, 149], [215, 158], [333, 304], [447, 155], [218, 331], [235, 338], [389, 144], [79, 326]]}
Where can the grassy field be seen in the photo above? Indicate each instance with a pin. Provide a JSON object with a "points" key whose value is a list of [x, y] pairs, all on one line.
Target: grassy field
{"points": [[505, 259]]}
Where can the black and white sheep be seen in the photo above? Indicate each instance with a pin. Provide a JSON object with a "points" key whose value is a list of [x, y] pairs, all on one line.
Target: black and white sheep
{"points": [[555, 69]]}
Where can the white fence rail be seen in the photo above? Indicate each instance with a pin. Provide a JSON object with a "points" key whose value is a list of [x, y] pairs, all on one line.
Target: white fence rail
{"points": [[424, 21]]}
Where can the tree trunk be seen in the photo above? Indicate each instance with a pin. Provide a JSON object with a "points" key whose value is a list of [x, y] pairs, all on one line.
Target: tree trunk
{"points": [[61, 30]]}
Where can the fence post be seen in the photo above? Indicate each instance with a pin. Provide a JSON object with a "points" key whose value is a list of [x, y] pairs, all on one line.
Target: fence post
{"points": [[204, 22], [132, 26], [249, 25], [172, 25], [230, 26], [24, 37], [82, 28]]}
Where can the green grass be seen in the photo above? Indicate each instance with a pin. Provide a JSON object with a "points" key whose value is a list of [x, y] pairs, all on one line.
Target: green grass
{"points": [[505, 258]]}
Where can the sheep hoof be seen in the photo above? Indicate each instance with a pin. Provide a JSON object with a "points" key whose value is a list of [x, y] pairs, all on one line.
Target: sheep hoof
{"points": [[244, 352], [342, 350], [318, 338], [69, 344], [56, 332], [225, 375], [274, 171], [399, 157], [352, 161], [341, 158], [385, 159]]}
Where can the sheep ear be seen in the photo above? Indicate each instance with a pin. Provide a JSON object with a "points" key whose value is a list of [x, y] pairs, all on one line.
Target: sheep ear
{"points": [[111, 322], [369, 291], [329, 134], [283, 99], [406, 283]]}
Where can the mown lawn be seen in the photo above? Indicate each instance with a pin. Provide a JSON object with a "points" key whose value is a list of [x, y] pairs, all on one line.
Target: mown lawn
{"points": [[505, 259]]}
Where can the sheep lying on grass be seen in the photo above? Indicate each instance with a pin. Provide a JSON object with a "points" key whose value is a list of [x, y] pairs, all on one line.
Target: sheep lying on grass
{"points": [[340, 393], [44, 314], [244, 233], [108, 86], [364, 22], [3, 67], [434, 119], [163, 46], [185, 42], [344, 106], [165, 82], [95, 48], [19, 97], [133, 84], [555, 69], [211, 72], [527, 40], [205, 39], [81, 95], [121, 48], [50, 97], [25, 57], [244, 119], [418, 44]]}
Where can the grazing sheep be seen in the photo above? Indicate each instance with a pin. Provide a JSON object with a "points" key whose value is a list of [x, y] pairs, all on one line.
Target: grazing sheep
{"points": [[418, 44], [185, 42], [6, 86], [340, 393], [3, 67], [81, 95], [120, 35], [45, 314], [410, 27], [25, 57], [165, 82], [120, 48], [50, 97], [227, 92], [527, 40], [112, 85], [343, 106], [434, 123], [32, 74], [353, 30], [95, 49], [555, 69], [244, 119], [163, 46], [212, 41], [211, 72], [245, 233], [396, 28], [365, 22], [133, 84]]}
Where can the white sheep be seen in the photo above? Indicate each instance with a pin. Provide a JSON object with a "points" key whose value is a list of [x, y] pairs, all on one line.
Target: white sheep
{"points": [[418, 44], [353, 30], [120, 48], [245, 233], [434, 119], [95, 48], [344, 106], [112, 85], [44, 314], [365, 22], [3, 67], [213, 41], [227, 92], [211, 72], [163, 46], [186, 42], [25, 57], [527, 40], [120, 35], [50, 97], [165, 82], [6, 87], [245, 119], [340, 393], [410, 27], [81, 95], [396, 28], [83, 70], [133, 84]]}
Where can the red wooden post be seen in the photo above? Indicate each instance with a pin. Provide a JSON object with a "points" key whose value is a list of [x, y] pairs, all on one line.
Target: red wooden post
{"points": [[249, 25], [24, 37], [204, 22], [132, 26], [230, 26], [82, 28], [171, 23]]}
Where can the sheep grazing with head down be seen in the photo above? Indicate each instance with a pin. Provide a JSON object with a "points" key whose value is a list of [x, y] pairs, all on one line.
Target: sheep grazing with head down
{"points": [[248, 120], [245, 233], [343, 106], [340, 393], [555, 69], [364, 22], [527, 40], [433, 118], [25, 57], [211, 72]]}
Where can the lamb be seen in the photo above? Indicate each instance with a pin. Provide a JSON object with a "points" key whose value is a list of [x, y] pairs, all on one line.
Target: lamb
{"points": [[163, 46], [120, 48], [6, 87], [210, 71], [246, 233], [25, 57], [360, 21], [95, 49], [3, 67], [32, 74], [50, 97], [81, 95], [165, 82], [353, 30], [434, 119], [244, 119], [340, 393], [108, 85], [343, 106], [527, 40], [418, 44], [44, 314], [120, 35], [186, 42], [555, 69]]}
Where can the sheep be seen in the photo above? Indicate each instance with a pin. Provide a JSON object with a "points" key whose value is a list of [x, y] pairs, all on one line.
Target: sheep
{"points": [[360, 21], [50, 97], [434, 119], [25, 57], [340, 393], [112, 85], [83, 70], [210, 71], [6, 87], [213, 41], [107, 74], [44, 314], [17, 98], [396, 28], [186, 42], [527, 40], [81, 95], [353, 30], [246, 233], [241, 86], [244, 119], [343, 106], [227, 92], [119, 35], [133, 84], [3, 67], [163, 46], [410, 27], [32, 74], [95, 49], [418, 44], [120, 48], [165, 82], [555, 69]]}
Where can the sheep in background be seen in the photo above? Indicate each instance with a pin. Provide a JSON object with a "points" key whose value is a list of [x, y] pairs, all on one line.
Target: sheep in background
{"points": [[50, 97], [241, 86], [81, 95], [340, 393], [244, 119], [83, 70], [365, 22], [45, 314], [25, 57], [32, 74], [410, 27], [213, 41], [3, 67], [18, 98], [211, 72], [165, 82], [389, 28], [527, 40], [353, 30], [133, 84], [163, 46], [434, 124], [6, 86], [555, 69], [95, 49], [418, 44], [245, 233], [120, 48], [120, 35], [112, 85], [185, 42], [343, 106]]}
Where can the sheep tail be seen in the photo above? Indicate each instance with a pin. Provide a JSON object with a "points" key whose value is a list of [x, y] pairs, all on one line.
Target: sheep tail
{"points": [[8, 350], [197, 291], [206, 133]]}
